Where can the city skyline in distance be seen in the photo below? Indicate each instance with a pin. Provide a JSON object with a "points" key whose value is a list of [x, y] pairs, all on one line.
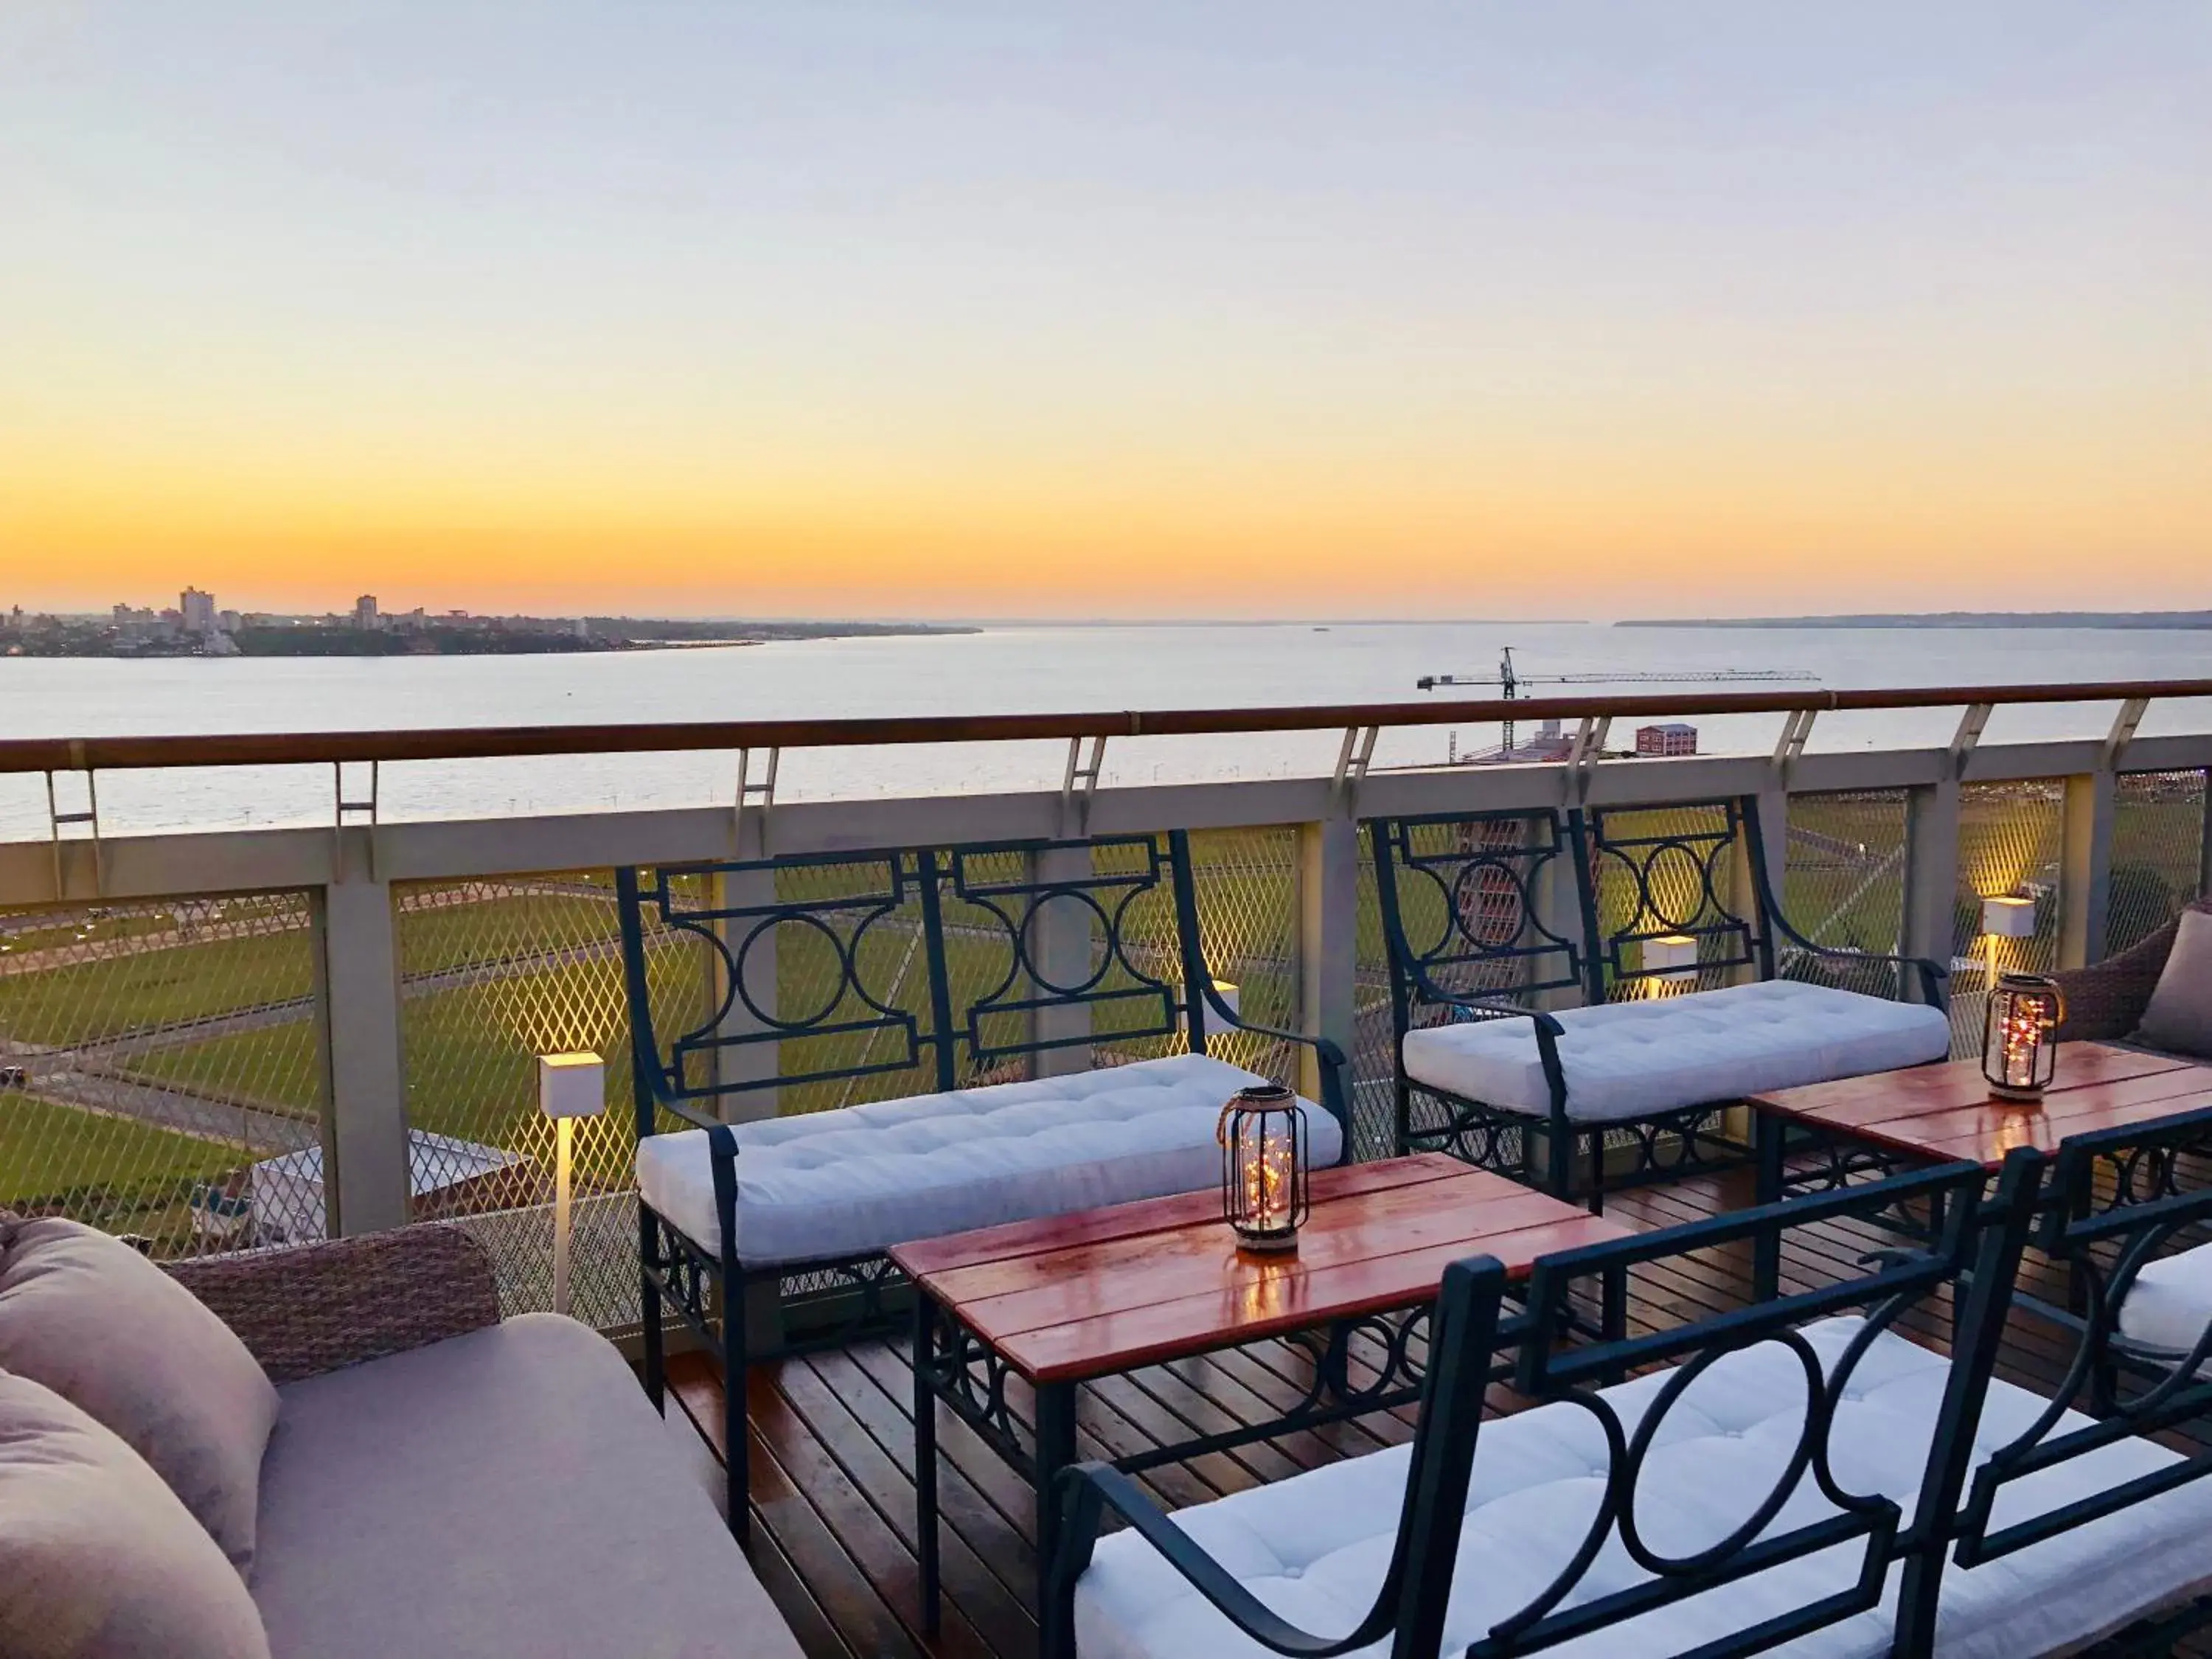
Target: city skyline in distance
{"points": [[1593, 310]]}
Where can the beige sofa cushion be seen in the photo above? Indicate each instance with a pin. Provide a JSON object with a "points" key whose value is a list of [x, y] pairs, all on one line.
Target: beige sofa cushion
{"points": [[508, 1493], [2179, 1017], [98, 1559], [95, 1321]]}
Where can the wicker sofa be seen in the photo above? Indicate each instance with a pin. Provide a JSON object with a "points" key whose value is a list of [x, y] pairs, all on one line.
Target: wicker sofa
{"points": [[2106, 1001], [443, 1481]]}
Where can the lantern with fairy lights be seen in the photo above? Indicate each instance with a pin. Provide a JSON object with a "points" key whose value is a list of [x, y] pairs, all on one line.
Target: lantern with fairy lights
{"points": [[2019, 1035], [1263, 1134]]}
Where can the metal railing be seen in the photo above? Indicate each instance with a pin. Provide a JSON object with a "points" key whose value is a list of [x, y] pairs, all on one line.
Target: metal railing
{"points": [[210, 1036]]}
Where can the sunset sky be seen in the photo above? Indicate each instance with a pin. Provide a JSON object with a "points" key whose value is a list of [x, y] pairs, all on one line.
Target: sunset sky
{"points": [[1129, 309]]}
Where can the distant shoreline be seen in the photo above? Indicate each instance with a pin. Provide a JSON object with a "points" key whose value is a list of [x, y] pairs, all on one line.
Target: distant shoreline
{"points": [[473, 637], [2110, 619]]}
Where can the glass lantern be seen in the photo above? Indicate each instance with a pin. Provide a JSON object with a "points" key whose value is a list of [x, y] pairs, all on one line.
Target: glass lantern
{"points": [[1263, 1134], [2019, 1035]]}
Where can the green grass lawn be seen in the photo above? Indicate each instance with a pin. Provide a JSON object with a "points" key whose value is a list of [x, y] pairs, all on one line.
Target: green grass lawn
{"points": [[85, 1001], [436, 938], [1839, 898], [278, 1069], [113, 1172]]}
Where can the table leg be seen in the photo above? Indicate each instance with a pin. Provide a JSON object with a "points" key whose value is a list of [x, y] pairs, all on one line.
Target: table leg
{"points": [[1055, 1450], [1768, 1133], [925, 1458], [1612, 1312], [1335, 1361]]}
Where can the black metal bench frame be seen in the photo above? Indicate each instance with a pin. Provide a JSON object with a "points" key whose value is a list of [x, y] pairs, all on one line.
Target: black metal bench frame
{"points": [[1496, 935], [1980, 1248], [677, 1083], [1972, 1263]]}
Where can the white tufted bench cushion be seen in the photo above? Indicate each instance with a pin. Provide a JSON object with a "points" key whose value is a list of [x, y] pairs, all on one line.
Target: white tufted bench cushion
{"points": [[1629, 1060], [862, 1178], [1315, 1547]]}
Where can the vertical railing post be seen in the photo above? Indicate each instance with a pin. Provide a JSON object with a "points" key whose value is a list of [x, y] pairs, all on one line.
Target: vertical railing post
{"points": [[1557, 898], [2204, 841], [1772, 804], [364, 1145], [1328, 885], [1931, 869], [1931, 872], [747, 1070], [1060, 941], [2085, 867]]}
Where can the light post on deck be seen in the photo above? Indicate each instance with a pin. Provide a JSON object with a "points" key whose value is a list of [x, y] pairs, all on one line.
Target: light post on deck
{"points": [[569, 1086], [2004, 915]]}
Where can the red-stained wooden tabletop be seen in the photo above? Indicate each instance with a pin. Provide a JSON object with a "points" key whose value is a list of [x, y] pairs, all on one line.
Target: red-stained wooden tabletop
{"points": [[1073, 1298], [1945, 1112]]}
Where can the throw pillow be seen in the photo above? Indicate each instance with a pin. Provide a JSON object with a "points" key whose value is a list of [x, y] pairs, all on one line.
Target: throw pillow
{"points": [[104, 1329], [98, 1559], [2179, 1017]]}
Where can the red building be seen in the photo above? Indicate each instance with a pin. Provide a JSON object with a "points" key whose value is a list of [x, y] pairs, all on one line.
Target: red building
{"points": [[1675, 738]]}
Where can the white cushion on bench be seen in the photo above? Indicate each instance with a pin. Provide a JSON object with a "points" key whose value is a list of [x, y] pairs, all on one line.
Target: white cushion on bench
{"points": [[1629, 1060], [2169, 1304], [861, 1178], [1315, 1547]]}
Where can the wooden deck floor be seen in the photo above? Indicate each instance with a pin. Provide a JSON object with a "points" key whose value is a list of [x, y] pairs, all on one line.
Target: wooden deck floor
{"points": [[833, 1451]]}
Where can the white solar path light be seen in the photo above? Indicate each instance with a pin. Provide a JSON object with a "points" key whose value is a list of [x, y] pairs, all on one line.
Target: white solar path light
{"points": [[569, 1086], [2005, 916]]}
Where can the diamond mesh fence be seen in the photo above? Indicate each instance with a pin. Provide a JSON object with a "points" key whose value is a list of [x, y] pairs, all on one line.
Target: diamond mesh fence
{"points": [[161, 1072], [2010, 843], [1843, 883], [1247, 882], [493, 973], [1844, 875], [2157, 853]]}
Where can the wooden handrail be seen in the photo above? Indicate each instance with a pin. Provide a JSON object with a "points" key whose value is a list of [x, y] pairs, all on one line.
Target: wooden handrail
{"points": [[484, 743]]}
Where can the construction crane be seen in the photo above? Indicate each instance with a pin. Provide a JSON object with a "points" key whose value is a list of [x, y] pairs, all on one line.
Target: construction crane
{"points": [[1510, 680]]}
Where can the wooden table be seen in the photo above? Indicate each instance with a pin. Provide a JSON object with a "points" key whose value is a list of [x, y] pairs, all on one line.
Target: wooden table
{"points": [[1072, 1299], [1938, 1114]]}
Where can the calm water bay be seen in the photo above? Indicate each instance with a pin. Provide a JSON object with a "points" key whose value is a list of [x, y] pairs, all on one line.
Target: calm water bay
{"points": [[1002, 669]]}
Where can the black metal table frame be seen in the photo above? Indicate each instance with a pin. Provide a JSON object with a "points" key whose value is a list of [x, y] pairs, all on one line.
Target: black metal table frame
{"points": [[2140, 1175], [954, 1365]]}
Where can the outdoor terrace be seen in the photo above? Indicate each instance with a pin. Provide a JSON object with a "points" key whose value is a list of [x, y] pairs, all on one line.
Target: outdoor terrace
{"points": [[236, 1036], [833, 1445]]}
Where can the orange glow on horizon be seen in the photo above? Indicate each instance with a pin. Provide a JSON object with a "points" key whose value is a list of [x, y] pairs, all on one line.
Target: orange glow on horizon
{"points": [[1725, 523]]}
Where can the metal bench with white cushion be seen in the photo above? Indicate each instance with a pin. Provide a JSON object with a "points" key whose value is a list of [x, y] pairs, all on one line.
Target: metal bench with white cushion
{"points": [[1310, 1547], [1926, 1507], [1631, 1059], [852, 1181], [960, 980], [1695, 990]]}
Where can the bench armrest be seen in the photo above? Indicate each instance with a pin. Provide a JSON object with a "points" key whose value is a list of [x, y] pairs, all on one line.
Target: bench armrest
{"points": [[663, 1101], [304, 1310], [1548, 1029], [1548, 1033], [1333, 1063], [1089, 1490], [1931, 974]]}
